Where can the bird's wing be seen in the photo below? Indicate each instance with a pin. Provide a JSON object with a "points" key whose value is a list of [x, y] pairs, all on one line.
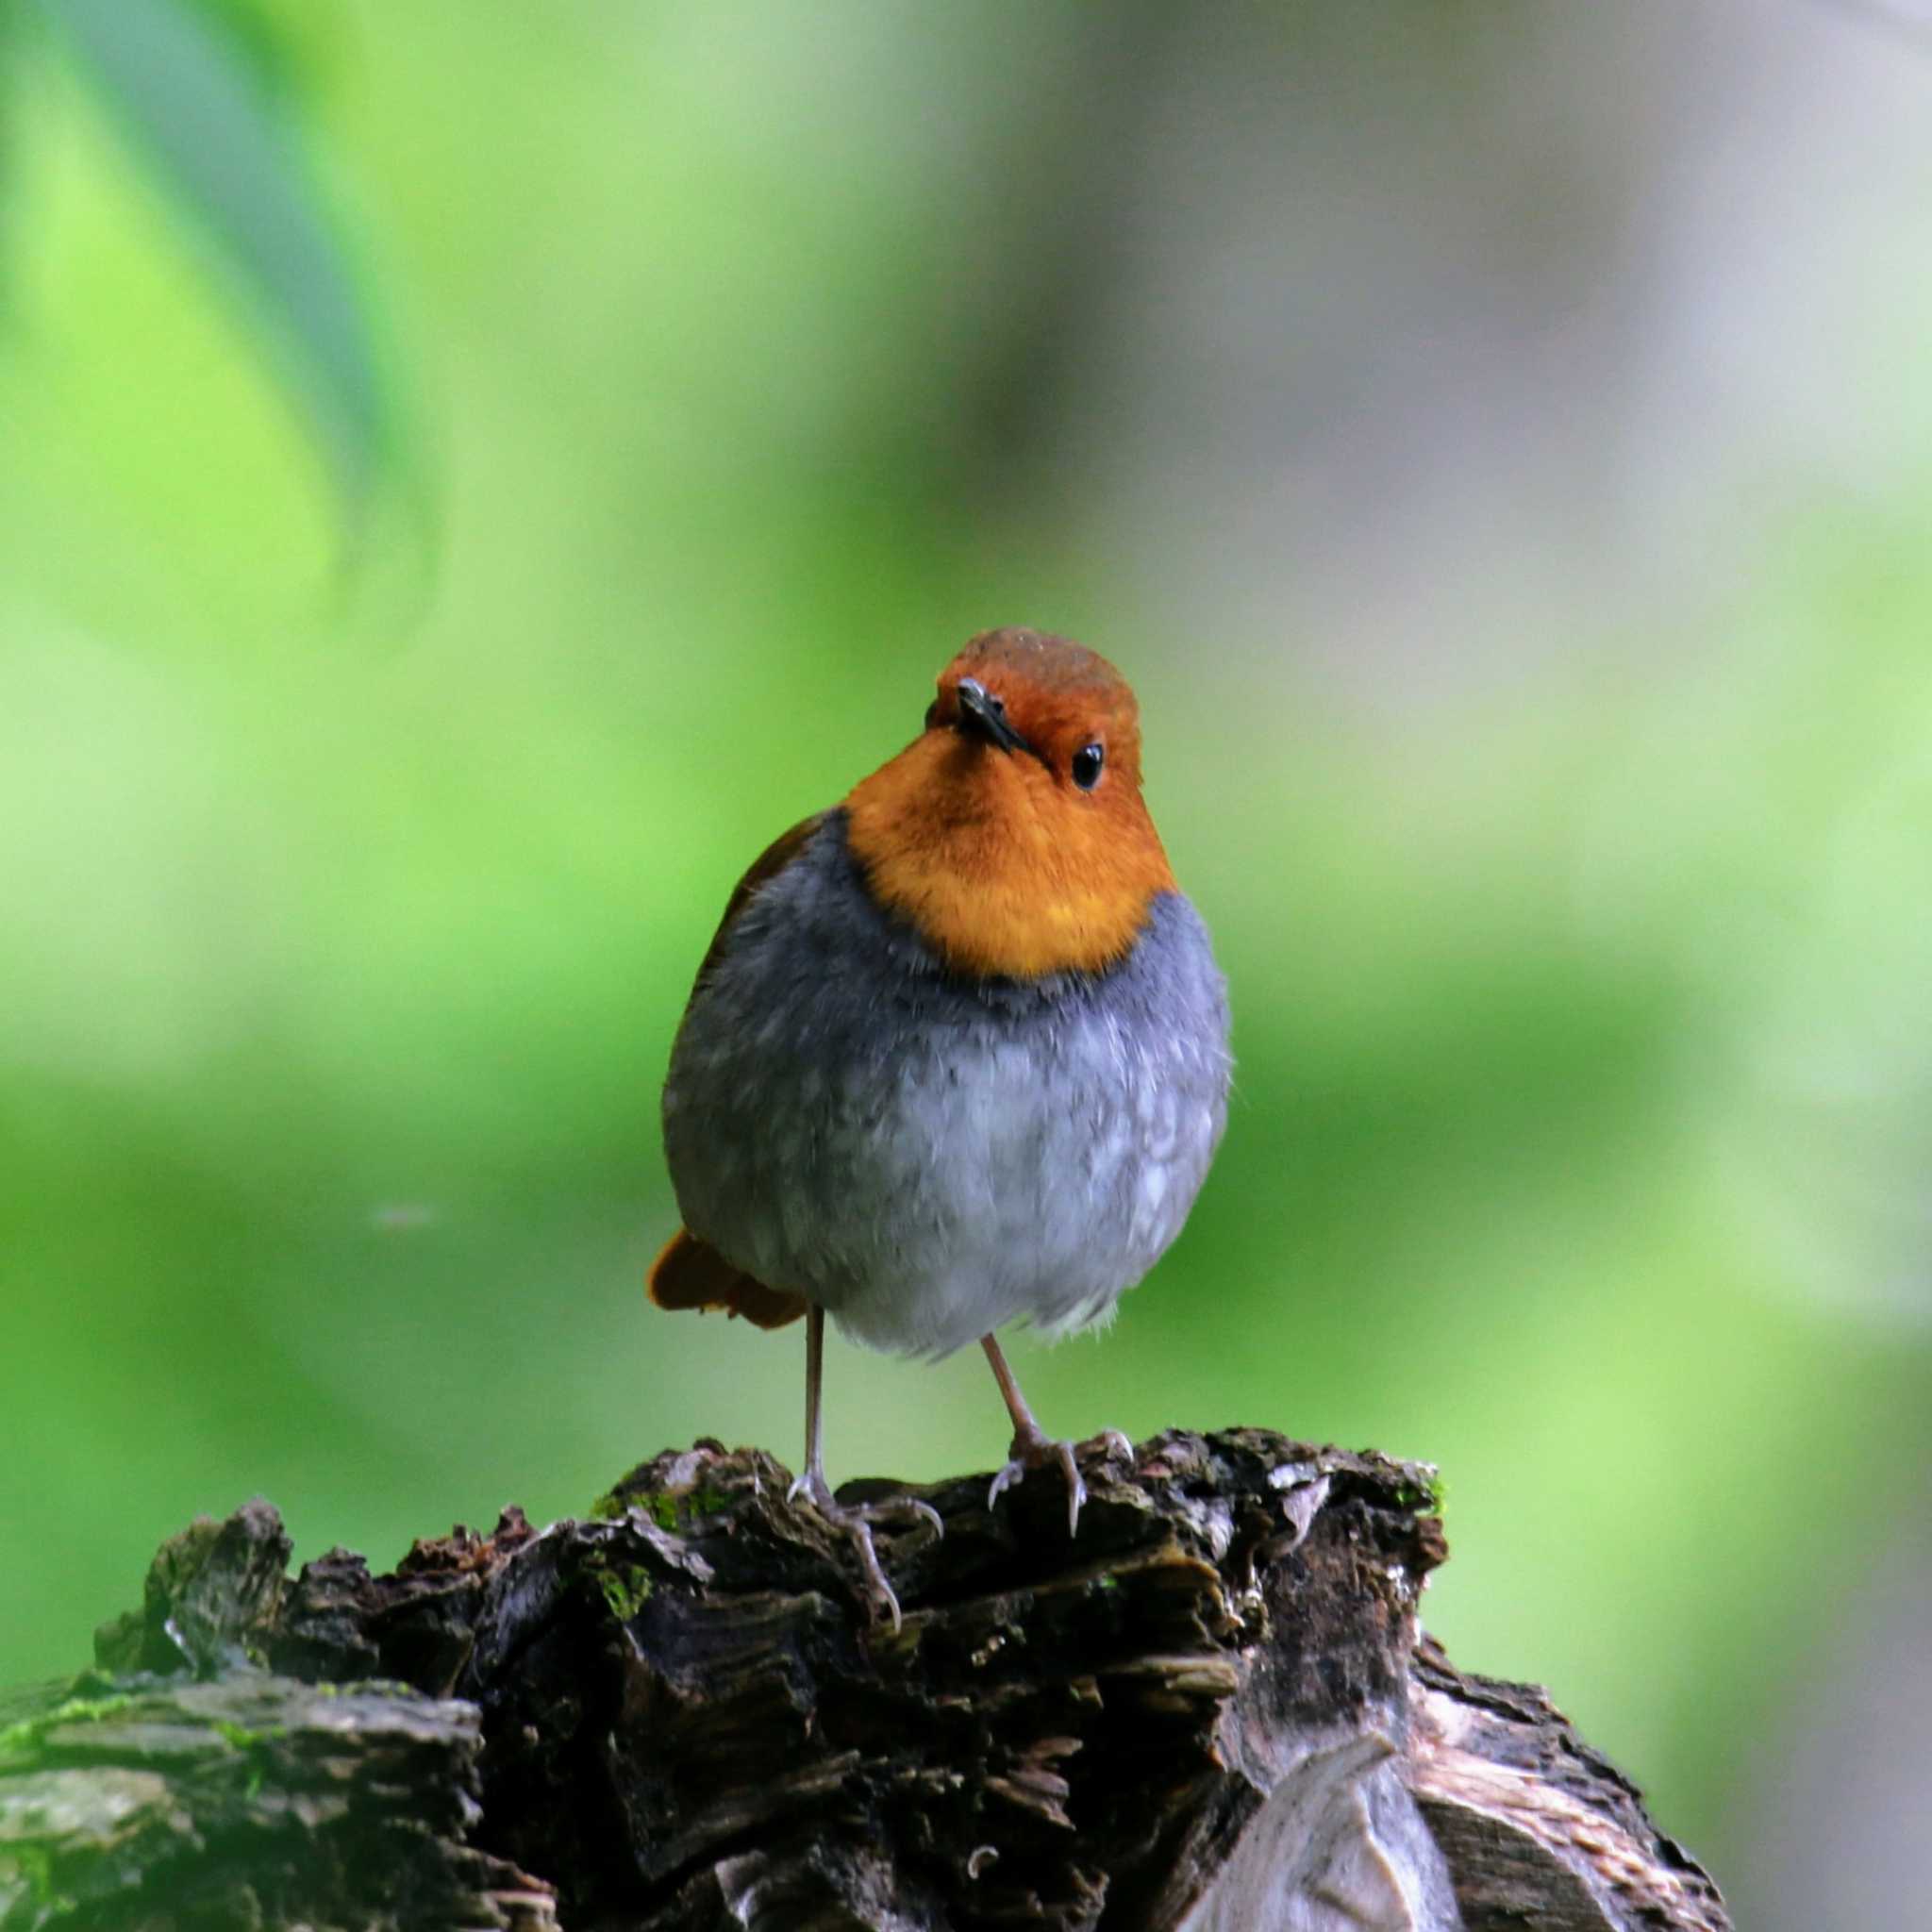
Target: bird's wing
{"points": [[691, 1274], [764, 869]]}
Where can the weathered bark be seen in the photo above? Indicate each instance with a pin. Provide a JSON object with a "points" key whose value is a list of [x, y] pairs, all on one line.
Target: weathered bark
{"points": [[1213, 1709]]}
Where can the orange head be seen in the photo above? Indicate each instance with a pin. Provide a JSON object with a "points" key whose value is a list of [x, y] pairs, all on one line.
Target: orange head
{"points": [[1013, 834]]}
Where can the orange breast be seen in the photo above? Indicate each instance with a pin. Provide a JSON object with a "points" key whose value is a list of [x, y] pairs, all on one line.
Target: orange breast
{"points": [[1001, 867]]}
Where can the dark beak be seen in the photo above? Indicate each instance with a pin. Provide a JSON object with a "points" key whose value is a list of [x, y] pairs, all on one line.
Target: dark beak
{"points": [[982, 715]]}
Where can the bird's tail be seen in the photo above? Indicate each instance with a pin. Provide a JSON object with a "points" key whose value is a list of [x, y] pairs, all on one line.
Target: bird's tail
{"points": [[689, 1273]]}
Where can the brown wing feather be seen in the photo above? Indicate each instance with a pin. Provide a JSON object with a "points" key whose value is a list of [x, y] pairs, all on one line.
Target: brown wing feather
{"points": [[689, 1273]]}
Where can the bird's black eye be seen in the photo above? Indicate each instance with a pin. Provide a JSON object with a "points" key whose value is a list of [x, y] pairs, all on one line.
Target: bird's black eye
{"points": [[1086, 763]]}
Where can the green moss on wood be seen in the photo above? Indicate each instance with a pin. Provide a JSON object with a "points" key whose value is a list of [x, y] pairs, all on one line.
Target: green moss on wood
{"points": [[26, 1737], [243, 1738], [1427, 1495], [626, 1587], [30, 1868], [670, 1509]]}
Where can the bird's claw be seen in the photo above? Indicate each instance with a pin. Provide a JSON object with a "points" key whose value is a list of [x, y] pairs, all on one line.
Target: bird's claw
{"points": [[856, 1520], [1036, 1453], [1037, 1450]]}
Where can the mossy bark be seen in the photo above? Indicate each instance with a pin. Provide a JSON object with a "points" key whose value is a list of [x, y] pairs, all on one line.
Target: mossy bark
{"points": [[1213, 1709]]}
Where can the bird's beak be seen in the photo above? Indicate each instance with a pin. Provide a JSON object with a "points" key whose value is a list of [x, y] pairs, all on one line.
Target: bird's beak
{"points": [[982, 715]]}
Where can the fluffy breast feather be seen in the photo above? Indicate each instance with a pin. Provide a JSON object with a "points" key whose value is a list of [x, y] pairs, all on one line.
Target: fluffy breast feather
{"points": [[928, 1156]]}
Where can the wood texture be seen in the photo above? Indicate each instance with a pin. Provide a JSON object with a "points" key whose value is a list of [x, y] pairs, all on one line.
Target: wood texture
{"points": [[1212, 1711]]}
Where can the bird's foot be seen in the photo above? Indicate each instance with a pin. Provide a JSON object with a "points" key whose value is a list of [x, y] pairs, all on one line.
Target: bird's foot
{"points": [[1036, 1449], [856, 1520]]}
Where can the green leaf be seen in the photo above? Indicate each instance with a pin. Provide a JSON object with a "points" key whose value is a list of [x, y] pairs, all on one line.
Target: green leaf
{"points": [[217, 133]]}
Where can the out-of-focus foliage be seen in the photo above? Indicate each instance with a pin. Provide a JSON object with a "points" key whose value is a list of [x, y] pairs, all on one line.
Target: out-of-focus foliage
{"points": [[1498, 446], [205, 93]]}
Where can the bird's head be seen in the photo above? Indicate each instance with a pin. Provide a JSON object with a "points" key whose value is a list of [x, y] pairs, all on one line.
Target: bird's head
{"points": [[1013, 834]]}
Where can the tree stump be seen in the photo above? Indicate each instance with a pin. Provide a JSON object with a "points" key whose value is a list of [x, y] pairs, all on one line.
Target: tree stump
{"points": [[1211, 1710]]}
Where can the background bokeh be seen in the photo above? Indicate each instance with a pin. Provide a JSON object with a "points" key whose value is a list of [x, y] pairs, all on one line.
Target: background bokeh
{"points": [[470, 473]]}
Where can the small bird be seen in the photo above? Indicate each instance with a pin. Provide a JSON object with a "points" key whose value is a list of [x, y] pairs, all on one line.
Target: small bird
{"points": [[957, 1054]]}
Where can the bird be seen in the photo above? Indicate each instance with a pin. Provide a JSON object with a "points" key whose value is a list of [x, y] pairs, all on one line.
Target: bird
{"points": [[957, 1054]]}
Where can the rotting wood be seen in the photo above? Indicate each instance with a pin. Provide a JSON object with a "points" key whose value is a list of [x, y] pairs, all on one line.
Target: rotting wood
{"points": [[1211, 1710]]}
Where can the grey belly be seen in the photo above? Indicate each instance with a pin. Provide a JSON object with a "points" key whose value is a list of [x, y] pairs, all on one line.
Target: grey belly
{"points": [[929, 1161]]}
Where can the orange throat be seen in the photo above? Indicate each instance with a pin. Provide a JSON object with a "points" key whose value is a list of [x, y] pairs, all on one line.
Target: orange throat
{"points": [[999, 866]]}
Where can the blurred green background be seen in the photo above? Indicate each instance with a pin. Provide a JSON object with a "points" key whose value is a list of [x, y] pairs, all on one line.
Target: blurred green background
{"points": [[470, 473]]}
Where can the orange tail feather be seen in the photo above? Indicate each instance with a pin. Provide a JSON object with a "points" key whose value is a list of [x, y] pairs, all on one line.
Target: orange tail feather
{"points": [[690, 1275]]}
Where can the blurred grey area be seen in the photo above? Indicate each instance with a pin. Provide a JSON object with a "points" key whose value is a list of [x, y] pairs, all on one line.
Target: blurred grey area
{"points": [[1830, 1811], [1342, 310]]}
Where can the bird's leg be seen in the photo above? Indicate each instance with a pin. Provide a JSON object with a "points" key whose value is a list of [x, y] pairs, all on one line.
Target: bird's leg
{"points": [[855, 1519], [1033, 1448]]}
